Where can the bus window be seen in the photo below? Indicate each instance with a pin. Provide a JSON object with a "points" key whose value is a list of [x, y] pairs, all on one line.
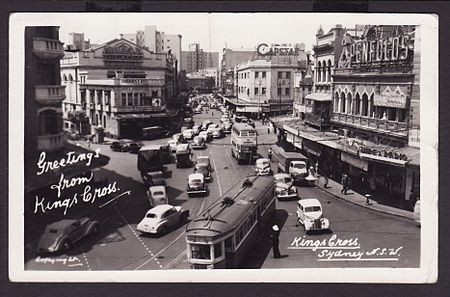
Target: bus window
{"points": [[201, 251], [217, 250]]}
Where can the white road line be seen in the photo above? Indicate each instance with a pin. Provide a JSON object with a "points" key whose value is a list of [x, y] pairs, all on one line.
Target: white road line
{"points": [[86, 260], [175, 260], [216, 170]]}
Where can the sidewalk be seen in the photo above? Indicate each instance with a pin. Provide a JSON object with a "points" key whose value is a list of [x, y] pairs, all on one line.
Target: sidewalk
{"points": [[334, 188]]}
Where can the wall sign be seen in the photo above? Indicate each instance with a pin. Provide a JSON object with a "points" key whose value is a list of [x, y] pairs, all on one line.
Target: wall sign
{"points": [[123, 53], [277, 50], [391, 98]]}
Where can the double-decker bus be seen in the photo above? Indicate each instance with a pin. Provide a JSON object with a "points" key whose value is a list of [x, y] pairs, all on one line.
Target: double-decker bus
{"points": [[244, 143], [222, 235]]}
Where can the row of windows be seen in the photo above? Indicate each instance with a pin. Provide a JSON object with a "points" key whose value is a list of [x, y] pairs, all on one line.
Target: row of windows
{"points": [[283, 91], [282, 74], [258, 74]]}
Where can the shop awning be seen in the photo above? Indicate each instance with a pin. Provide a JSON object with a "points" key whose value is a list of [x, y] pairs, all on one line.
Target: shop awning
{"points": [[319, 96]]}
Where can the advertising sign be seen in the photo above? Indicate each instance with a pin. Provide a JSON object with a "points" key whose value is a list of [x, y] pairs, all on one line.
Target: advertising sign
{"points": [[277, 50]]}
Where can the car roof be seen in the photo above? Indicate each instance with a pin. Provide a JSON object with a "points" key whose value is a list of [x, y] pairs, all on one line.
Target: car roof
{"points": [[309, 202], [263, 160], [281, 175], [154, 173], [62, 223], [160, 209], [157, 188], [202, 158], [182, 146], [151, 147], [195, 176]]}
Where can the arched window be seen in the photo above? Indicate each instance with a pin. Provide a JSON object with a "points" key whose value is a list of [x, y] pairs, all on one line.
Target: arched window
{"points": [[350, 106], [336, 102], [329, 70], [357, 104], [342, 103], [324, 71], [365, 104], [64, 77], [70, 77], [371, 111]]}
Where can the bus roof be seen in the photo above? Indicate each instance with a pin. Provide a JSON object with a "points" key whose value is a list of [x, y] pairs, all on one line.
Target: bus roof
{"points": [[152, 147], [242, 126], [220, 217]]}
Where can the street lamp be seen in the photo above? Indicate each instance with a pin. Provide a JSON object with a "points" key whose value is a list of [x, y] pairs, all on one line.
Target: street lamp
{"points": [[259, 100]]}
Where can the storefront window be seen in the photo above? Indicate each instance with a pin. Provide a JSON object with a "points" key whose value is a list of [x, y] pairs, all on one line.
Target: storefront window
{"points": [[200, 251]]}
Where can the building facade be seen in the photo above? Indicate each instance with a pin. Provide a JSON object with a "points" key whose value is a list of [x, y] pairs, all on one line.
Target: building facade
{"points": [[43, 90], [196, 59], [200, 82], [303, 86], [211, 72], [120, 86], [231, 58], [266, 84]]}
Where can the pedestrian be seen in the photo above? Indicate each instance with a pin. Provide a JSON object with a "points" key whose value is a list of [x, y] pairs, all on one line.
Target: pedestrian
{"points": [[268, 130], [89, 142], [269, 154], [275, 241], [212, 113], [344, 184]]}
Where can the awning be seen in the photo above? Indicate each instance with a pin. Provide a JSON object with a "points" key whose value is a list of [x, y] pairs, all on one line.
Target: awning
{"points": [[355, 162], [319, 96]]}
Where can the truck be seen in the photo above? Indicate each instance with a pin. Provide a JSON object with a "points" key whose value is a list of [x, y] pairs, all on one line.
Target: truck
{"points": [[151, 158], [293, 163]]}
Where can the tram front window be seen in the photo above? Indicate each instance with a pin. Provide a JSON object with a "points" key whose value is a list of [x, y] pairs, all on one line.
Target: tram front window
{"points": [[200, 251], [217, 250]]}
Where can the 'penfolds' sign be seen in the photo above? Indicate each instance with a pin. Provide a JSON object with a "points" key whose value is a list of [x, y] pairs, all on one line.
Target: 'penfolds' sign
{"points": [[377, 50]]}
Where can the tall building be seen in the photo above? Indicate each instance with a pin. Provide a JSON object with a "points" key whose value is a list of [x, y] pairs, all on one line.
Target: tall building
{"points": [[77, 42], [172, 43], [231, 58], [120, 86], [196, 59], [266, 83], [211, 72]]}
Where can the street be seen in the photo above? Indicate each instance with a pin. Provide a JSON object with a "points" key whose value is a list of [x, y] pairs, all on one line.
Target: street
{"points": [[119, 246]]}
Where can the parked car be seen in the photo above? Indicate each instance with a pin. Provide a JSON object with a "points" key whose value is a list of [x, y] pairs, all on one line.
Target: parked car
{"points": [[120, 145], [61, 235], [262, 167], [206, 124], [416, 214], [196, 184], [309, 214], [155, 178], [227, 127], [203, 169], [283, 178], [188, 134], [198, 110], [224, 118], [218, 133], [206, 135], [155, 132], [161, 218], [157, 195], [204, 160], [179, 138], [286, 192], [198, 142], [134, 147]]}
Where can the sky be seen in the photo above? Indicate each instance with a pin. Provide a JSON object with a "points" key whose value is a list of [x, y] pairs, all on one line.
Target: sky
{"points": [[214, 31]]}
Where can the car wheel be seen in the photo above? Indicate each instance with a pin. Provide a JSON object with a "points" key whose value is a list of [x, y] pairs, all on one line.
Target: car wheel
{"points": [[163, 230]]}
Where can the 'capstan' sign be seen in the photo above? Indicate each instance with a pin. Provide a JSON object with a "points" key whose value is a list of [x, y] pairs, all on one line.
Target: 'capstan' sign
{"points": [[277, 50]]}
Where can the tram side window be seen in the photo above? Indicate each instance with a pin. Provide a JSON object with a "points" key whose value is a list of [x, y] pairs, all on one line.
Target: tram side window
{"points": [[217, 250], [229, 244], [201, 251]]}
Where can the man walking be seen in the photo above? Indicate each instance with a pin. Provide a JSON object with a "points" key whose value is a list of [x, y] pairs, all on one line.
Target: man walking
{"points": [[344, 182], [269, 154], [275, 241]]}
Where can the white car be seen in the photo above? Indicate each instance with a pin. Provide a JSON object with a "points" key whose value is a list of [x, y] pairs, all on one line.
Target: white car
{"points": [[188, 134], [206, 135], [416, 214], [198, 142], [204, 160], [157, 195], [161, 218], [309, 214], [262, 167], [283, 178], [196, 129], [196, 184], [217, 133]]}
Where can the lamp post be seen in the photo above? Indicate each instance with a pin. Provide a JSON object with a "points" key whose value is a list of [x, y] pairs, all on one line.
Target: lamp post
{"points": [[259, 100]]}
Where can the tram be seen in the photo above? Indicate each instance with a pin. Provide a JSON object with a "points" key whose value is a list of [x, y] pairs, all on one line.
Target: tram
{"points": [[222, 235]]}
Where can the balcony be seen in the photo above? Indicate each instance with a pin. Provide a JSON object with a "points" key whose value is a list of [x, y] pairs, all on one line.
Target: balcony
{"points": [[137, 109], [48, 49], [50, 95], [50, 143], [376, 125], [317, 120]]}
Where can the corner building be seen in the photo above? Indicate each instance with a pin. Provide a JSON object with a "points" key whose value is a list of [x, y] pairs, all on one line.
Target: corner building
{"points": [[121, 87]]}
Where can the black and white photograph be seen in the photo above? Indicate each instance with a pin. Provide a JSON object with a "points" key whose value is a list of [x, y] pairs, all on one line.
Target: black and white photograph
{"points": [[213, 147]]}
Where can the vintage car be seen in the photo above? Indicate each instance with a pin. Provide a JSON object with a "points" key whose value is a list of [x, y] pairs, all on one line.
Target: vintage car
{"points": [[121, 145], [188, 134], [206, 124], [183, 155], [262, 167], [227, 127], [286, 192], [206, 135], [61, 235], [134, 147], [157, 195], [155, 178], [224, 118], [198, 110], [218, 133], [309, 214], [196, 129], [196, 184], [203, 169], [179, 138], [283, 178], [204, 160], [198, 142], [159, 219]]}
